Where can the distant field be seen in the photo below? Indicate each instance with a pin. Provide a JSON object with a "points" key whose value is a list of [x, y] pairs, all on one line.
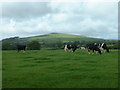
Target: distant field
{"points": [[59, 69]]}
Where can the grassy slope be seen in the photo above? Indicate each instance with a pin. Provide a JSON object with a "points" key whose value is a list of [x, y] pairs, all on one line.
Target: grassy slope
{"points": [[59, 69], [60, 36], [56, 35]]}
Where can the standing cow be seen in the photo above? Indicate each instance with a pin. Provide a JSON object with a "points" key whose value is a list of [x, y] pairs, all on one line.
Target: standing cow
{"points": [[70, 47], [93, 47], [103, 47], [21, 47]]}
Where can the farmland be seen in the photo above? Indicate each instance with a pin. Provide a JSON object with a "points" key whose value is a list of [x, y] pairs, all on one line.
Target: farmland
{"points": [[47, 68]]}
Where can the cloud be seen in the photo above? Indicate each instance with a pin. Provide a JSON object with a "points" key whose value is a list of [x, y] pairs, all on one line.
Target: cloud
{"points": [[95, 19], [21, 10]]}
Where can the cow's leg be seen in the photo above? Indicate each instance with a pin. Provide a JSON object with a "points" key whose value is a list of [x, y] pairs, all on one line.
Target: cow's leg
{"points": [[93, 51], [99, 51], [73, 49], [88, 51], [103, 50], [107, 50], [96, 52], [65, 49]]}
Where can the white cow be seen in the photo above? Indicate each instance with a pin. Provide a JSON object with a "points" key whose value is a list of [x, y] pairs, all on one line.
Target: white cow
{"points": [[82, 48]]}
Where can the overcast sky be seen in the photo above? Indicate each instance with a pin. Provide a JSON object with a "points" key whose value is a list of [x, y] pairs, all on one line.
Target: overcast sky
{"points": [[94, 19]]}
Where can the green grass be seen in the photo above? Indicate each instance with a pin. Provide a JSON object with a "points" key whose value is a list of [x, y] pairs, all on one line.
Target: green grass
{"points": [[59, 69]]}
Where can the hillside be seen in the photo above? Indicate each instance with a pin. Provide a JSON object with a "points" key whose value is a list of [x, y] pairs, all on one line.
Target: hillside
{"points": [[53, 37], [58, 35]]}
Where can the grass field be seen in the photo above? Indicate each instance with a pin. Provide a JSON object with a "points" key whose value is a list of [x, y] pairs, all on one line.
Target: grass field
{"points": [[59, 69]]}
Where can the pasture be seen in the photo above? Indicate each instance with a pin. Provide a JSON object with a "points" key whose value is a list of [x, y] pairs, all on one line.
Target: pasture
{"points": [[59, 69]]}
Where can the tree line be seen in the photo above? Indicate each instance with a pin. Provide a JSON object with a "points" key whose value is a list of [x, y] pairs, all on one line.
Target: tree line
{"points": [[11, 44]]}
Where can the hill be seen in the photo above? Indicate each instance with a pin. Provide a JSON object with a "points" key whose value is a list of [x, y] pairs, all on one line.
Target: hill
{"points": [[53, 37], [54, 40]]}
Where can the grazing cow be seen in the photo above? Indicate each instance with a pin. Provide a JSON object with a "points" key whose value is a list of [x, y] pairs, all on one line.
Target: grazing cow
{"points": [[82, 48], [93, 47], [21, 47], [70, 47], [103, 47]]}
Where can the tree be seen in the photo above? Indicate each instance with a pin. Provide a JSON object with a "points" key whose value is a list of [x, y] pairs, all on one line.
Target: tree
{"points": [[5, 46], [34, 45], [76, 42], [59, 44]]}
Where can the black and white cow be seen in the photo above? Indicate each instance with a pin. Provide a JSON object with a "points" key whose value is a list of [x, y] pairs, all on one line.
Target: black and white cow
{"points": [[93, 47], [21, 47], [103, 47], [70, 47]]}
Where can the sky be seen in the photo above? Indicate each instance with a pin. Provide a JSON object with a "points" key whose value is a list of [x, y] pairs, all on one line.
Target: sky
{"points": [[93, 19]]}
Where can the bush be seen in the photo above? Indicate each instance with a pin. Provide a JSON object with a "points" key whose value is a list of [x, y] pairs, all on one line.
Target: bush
{"points": [[113, 46], [8, 46], [34, 45]]}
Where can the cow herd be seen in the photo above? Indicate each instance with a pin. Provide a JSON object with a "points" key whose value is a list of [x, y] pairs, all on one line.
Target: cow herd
{"points": [[91, 48], [94, 47]]}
